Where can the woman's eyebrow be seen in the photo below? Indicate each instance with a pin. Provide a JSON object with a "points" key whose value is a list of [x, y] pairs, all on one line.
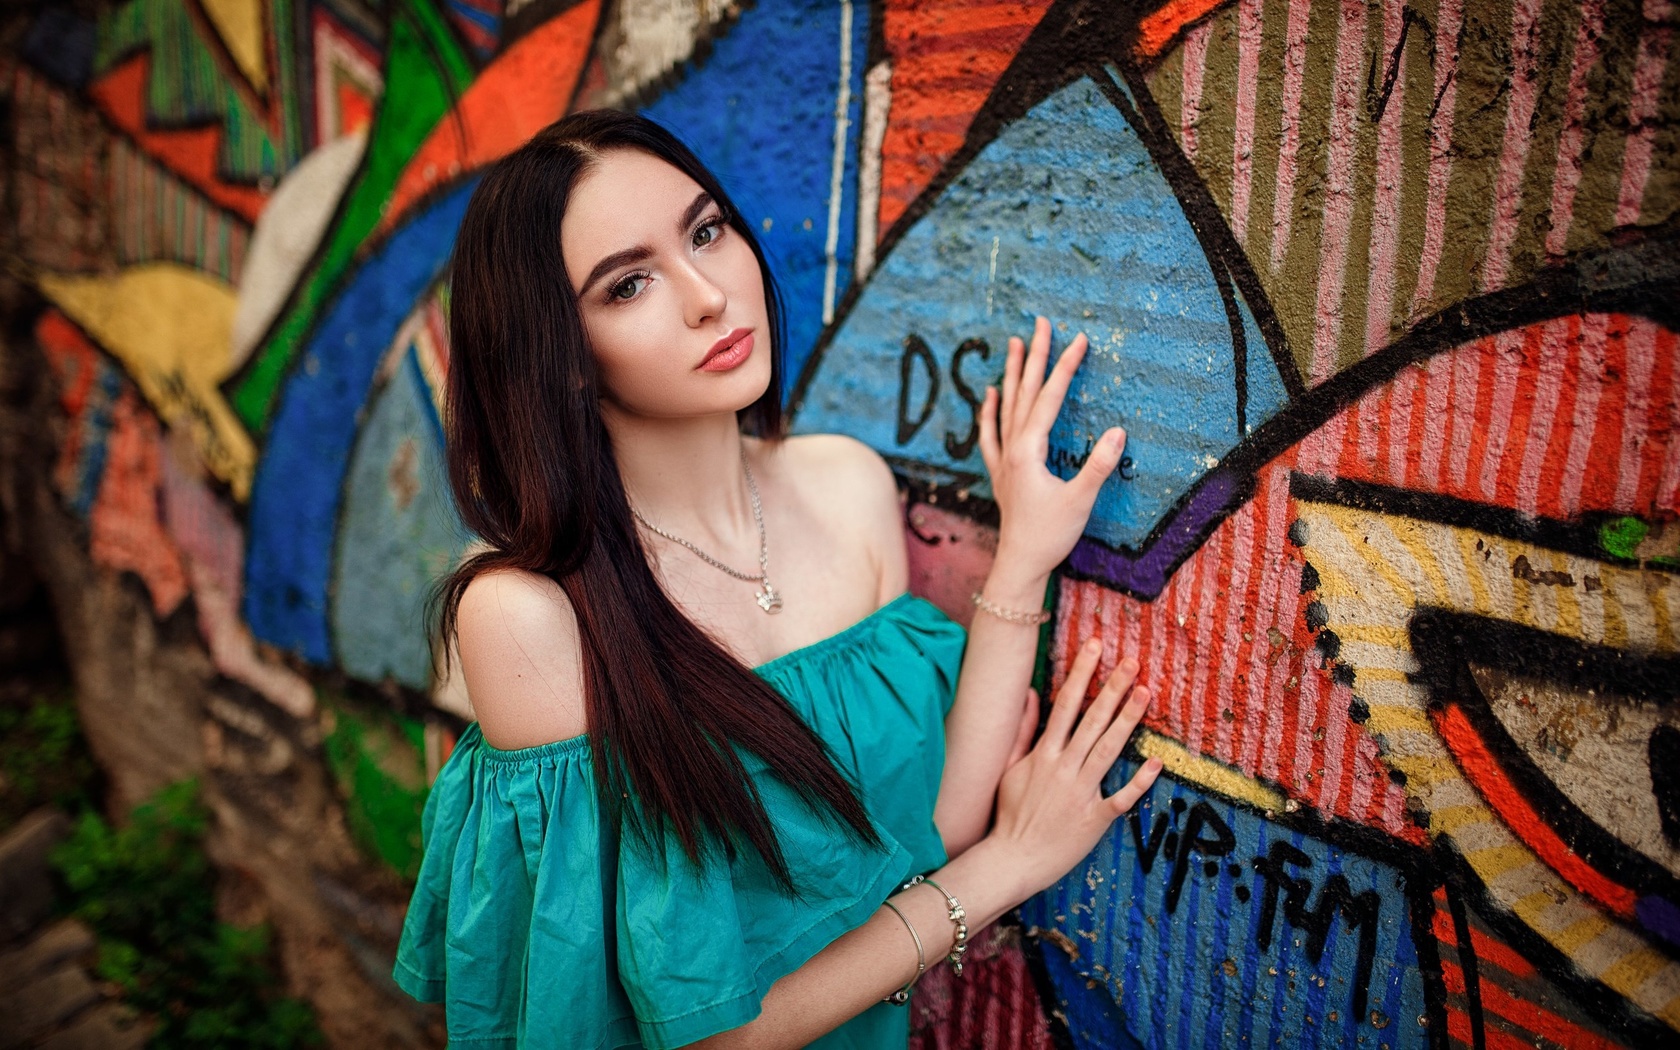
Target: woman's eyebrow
{"points": [[642, 251]]}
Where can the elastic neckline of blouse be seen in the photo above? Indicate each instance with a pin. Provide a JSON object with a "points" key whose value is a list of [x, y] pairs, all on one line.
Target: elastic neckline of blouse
{"points": [[843, 637]]}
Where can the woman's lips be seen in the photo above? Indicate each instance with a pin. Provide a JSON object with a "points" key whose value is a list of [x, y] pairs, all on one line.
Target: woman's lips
{"points": [[731, 351]]}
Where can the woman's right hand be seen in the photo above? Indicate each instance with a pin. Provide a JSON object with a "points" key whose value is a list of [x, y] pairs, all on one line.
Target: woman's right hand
{"points": [[1051, 810]]}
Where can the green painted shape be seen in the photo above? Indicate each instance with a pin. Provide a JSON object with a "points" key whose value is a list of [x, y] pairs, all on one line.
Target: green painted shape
{"points": [[426, 72], [187, 84], [379, 764], [1621, 536]]}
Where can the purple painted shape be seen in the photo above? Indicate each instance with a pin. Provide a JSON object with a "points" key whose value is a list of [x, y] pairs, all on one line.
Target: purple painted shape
{"points": [[1145, 573], [1660, 916]]}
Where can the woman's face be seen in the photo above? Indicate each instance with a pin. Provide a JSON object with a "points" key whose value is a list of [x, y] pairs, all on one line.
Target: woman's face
{"points": [[671, 295]]}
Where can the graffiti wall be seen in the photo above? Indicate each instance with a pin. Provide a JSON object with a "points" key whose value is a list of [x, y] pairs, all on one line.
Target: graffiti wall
{"points": [[1386, 295]]}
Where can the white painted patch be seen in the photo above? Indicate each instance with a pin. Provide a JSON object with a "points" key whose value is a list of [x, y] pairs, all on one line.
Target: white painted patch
{"points": [[877, 101], [837, 166], [286, 236], [642, 40]]}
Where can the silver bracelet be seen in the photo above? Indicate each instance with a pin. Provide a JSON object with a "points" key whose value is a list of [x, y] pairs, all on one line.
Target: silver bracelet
{"points": [[1009, 615], [902, 996], [959, 920]]}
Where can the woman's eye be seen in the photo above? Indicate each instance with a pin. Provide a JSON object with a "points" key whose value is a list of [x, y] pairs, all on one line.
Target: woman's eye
{"points": [[708, 233], [627, 288]]}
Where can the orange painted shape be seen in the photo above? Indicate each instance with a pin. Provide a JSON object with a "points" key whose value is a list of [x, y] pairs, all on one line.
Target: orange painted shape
{"points": [[192, 153], [76, 362], [1487, 949], [1484, 774], [1161, 27], [946, 56], [126, 534], [524, 90], [355, 108], [1534, 1018]]}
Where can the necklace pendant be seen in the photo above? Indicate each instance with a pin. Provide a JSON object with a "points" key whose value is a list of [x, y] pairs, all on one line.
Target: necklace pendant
{"points": [[768, 599]]}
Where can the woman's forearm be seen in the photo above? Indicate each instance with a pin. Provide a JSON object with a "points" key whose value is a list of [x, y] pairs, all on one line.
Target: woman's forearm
{"points": [[991, 687], [865, 965]]}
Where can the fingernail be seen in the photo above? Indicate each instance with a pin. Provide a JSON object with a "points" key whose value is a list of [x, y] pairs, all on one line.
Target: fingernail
{"points": [[1129, 665], [1092, 645]]}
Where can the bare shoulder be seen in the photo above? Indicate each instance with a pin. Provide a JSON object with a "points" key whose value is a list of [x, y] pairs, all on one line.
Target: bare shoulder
{"points": [[518, 642], [847, 483], [843, 470]]}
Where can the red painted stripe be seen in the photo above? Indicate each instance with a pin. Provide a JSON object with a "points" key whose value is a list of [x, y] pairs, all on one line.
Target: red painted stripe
{"points": [[1483, 772], [1526, 1015]]}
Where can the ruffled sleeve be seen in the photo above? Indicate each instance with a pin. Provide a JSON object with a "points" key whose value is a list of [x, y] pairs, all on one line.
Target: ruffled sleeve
{"points": [[538, 926]]}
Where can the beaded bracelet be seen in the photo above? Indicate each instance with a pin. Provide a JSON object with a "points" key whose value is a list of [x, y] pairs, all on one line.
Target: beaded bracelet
{"points": [[902, 996], [1009, 615], [959, 920]]}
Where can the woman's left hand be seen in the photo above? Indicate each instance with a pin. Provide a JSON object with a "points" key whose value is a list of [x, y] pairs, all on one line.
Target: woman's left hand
{"points": [[1041, 516]]}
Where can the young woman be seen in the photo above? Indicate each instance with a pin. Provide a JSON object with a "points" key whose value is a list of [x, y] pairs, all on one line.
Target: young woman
{"points": [[714, 734]]}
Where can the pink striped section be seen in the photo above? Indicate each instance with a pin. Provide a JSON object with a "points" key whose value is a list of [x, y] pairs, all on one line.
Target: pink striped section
{"points": [[1591, 367], [1571, 416], [1568, 177], [1641, 351], [1506, 367], [1385, 217], [1294, 71], [1642, 121], [1345, 98], [1194, 53], [1448, 18], [1668, 484], [1467, 387], [1229, 636], [1435, 422], [1519, 111], [1249, 35]]}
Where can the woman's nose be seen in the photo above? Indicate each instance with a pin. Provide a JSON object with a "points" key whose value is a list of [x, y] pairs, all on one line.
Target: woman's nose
{"points": [[703, 298]]}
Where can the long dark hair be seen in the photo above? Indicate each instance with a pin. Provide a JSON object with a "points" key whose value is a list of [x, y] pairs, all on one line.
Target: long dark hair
{"points": [[532, 469]]}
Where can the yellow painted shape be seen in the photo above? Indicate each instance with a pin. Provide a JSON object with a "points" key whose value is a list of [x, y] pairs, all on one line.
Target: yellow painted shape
{"points": [[1495, 861], [171, 327], [1392, 635], [1393, 718], [1633, 970], [240, 25], [1578, 934], [1203, 772], [1448, 819]]}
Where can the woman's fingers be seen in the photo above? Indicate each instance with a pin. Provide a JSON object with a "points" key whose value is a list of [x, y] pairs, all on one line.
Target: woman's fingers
{"points": [[1047, 403], [1066, 707], [1105, 456], [1107, 747], [1121, 802], [1101, 712], [1024, 731], [1032, 373], [989, 431], [1012, 365]]}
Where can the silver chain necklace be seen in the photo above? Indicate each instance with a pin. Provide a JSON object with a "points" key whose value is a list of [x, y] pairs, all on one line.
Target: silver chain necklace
{"points": [[767, 598]]}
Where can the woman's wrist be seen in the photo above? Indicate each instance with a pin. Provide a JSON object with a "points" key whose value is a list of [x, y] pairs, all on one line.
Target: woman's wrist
{"points": [[1013, 586], [992, 878]]}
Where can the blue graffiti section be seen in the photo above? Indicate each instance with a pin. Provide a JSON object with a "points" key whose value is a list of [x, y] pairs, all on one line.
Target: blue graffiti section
{"points": [[775, 152], [1063, 214], [399, 532], [296, 495], [1197, 922]]}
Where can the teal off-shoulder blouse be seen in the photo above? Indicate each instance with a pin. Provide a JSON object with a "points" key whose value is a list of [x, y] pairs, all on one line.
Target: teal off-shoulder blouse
{"points": [[538, 926]]}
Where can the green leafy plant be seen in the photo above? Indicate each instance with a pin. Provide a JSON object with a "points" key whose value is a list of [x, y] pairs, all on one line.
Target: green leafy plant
{"points": [[378, 764], [148, 891], [44, 761]]}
